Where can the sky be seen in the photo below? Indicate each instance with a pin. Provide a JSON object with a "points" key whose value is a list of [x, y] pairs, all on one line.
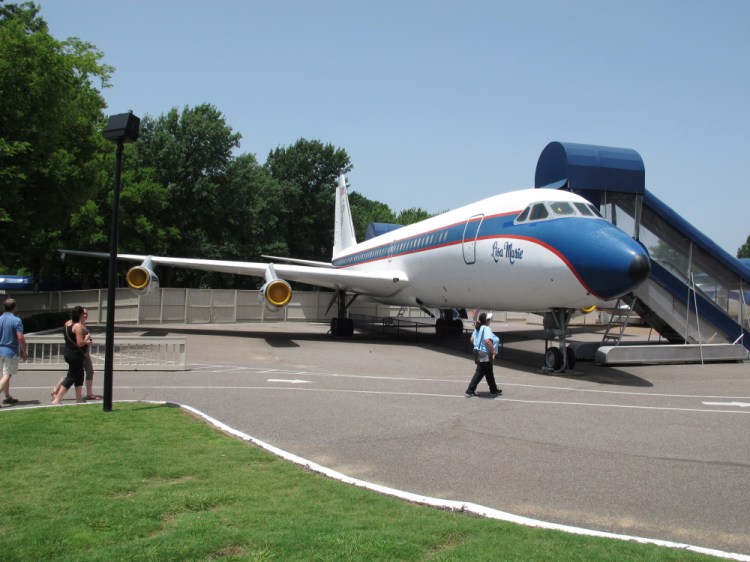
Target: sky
{"points": [[443, 102]]}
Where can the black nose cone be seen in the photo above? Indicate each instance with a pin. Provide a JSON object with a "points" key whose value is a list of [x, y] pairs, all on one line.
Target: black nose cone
{"points": [[640, 267]]}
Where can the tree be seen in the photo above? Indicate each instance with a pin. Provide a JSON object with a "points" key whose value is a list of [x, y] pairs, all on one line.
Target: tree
{"points": [[50, 119], [412, 215], [253, 211], [308, 172], [188, 154], [365, 211], [744, 250]]}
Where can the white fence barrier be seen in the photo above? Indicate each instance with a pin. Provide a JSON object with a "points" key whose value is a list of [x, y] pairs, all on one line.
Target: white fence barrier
{"points": [[197, 306], [131, 353], [214, 306]]}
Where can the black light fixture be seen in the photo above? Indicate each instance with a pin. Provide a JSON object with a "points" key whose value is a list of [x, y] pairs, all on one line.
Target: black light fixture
{"points": [[123, 127], [120, 129]]}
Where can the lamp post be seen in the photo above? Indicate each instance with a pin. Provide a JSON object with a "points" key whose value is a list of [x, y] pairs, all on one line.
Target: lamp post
{"points": [[120, 129]]}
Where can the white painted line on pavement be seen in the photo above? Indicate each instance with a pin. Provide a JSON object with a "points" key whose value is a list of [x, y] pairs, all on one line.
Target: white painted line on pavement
{"points": [[497, 378], [504, 398]]}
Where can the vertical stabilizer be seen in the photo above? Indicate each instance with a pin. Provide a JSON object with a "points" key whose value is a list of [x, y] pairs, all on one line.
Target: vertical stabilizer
{"points": [[343, 234]]}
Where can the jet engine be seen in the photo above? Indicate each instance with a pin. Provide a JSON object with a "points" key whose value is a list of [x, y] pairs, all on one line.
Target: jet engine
{"points": [[142, 279], [275, 293]]}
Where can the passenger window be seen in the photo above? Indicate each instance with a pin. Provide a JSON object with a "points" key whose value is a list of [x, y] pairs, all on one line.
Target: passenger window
{"points": [[584, 209], [524, 215], [538, 211], [562, 208]]}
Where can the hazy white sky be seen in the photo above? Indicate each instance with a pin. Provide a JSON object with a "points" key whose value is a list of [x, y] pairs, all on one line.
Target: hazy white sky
{"points": [[439, 103]]}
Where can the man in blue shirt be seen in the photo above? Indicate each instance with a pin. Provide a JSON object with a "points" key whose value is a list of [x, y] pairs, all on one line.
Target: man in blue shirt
{"points": [[12, 345]]}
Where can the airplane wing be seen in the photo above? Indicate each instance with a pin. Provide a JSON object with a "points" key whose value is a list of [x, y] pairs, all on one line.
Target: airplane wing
{"points": [[276, 259], [382, 283]]}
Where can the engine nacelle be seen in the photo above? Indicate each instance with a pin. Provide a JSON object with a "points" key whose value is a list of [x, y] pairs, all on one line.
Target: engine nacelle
{"points": [[142, 279], [275, 294]]}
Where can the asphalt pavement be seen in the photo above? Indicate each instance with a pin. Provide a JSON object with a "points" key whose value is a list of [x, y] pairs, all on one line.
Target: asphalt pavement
{"points": [[654, 451]]}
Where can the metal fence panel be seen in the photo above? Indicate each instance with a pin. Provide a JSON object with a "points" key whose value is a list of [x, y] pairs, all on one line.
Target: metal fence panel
{"points": [[131, 353], [223, 306], [174, 305], [149, 309], [198, 306], [203, 306]]}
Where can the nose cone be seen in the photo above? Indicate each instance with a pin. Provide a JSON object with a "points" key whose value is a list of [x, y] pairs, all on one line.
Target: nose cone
{"points": [[640, 268], [607, 261]]}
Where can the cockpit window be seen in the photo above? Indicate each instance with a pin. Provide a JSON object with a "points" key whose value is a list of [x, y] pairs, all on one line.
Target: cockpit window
{"points": [[538, 211], [562, 208], [541, 210], [596, 211]]}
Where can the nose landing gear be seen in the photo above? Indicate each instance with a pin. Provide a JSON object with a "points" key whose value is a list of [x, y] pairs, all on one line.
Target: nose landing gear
{"points": [[558, 359]]}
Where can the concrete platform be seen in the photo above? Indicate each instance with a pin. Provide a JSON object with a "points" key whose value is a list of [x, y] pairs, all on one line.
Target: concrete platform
{"points": [[666, 354]]}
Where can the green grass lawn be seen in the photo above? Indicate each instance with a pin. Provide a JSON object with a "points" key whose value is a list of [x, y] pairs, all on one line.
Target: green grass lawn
{"points": [[151, 482]]}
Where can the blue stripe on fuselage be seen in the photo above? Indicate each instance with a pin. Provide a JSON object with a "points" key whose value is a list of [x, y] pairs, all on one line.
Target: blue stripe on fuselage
{"points": [[598, 253]]}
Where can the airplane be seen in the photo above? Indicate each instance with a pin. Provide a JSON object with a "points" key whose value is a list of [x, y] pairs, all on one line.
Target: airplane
{"points": [[544, 251]]}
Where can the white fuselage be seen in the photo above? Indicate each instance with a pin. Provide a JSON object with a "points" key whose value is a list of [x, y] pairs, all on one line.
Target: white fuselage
{"points": [[479, 256]]}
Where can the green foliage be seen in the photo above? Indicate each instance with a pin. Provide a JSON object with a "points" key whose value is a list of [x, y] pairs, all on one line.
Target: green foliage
{"points": [[188, 154], [179, 204], [744, 250], [147, 482], [44, 321], [365, 211], [412, 215], [48, 139], [183, 191], [308, 172]]}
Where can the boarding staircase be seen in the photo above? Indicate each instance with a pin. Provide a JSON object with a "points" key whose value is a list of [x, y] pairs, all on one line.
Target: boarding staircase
{"points": [[618, 320], [697, 294]]}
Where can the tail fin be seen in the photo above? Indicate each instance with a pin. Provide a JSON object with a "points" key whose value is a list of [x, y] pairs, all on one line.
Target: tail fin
{"points": [[343, 234]]}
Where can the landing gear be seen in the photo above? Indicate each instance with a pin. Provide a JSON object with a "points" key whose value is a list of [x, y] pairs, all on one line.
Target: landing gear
{"points": [[447, 325], [553, 359], [341, 326], [558, 359]]}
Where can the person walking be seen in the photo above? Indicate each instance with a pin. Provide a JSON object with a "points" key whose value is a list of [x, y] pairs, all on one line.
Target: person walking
{"points": [[484, 352], [88, 365], [76, 343], [12, 345]]}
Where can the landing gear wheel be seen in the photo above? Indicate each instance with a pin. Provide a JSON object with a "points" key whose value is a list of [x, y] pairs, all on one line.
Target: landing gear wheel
{"points": [[570, 356], [553, 359], [342, 327]]}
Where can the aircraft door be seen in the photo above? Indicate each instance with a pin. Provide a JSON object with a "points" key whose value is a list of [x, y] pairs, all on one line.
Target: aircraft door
{"points": [[471, 230]]}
